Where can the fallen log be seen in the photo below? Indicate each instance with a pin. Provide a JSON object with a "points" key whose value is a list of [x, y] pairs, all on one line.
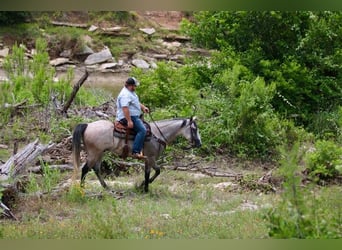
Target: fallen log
{"points": [[17, 163], [76, 25], [10, 171], [6, 211]]}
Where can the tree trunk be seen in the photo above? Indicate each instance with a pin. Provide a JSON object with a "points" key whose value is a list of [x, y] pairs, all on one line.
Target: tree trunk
{"points": [[74, 92], [17, 163]]}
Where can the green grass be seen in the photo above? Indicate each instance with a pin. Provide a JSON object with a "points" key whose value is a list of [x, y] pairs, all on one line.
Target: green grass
{"points": [[175, 208]]}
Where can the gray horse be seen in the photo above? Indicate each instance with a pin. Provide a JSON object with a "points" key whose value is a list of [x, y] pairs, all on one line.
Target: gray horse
{"points": [[98, 138]]}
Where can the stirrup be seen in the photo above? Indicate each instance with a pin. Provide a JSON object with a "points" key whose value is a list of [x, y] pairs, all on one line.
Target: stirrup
{"points": [[139, 156]]}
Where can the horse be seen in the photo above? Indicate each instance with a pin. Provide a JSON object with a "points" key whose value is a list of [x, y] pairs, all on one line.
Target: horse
{"points": [[98, 138]]}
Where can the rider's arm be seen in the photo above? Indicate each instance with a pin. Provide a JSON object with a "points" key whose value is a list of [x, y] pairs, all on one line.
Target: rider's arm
{"points": [[144, 108], [128, 117]]}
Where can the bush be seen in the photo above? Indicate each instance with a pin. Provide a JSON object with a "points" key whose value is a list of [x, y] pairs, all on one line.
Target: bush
{"points": [[301, 213], [13, 17], [240, 118], [166, 86], [325, 163]]}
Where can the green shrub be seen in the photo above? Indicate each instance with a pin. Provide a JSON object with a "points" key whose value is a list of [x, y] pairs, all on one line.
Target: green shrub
{"points": [[165, 86], [301, 213], [241, 118], [325, 162]]}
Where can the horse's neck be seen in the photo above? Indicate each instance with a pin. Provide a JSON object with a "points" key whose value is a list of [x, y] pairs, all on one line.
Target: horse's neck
{"points": [[169, 129]]}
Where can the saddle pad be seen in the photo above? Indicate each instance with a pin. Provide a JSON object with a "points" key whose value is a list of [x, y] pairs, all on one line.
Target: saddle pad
{"points": [[120, 131], [130, 137]]}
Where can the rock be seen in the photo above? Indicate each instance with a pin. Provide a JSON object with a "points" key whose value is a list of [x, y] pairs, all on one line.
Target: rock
{"points": [[159, 56], [66, 53], [171, 45], [59, 61], [86, 50], [148, 31], [3, 79], [154, 65], [4, 52], [177, 58], [120, 63], [108, 66], [99, 57], [92, 68], [166, 216], [248, 206], [92, 28], [140, 63], [87, 39], [223, 185]]}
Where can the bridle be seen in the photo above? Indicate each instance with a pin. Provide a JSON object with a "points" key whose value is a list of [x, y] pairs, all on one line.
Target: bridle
{"points": [[193, 132], [164, 143]]}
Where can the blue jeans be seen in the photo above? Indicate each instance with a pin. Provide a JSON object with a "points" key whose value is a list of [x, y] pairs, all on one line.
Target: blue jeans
{"points": [[139, 139]]}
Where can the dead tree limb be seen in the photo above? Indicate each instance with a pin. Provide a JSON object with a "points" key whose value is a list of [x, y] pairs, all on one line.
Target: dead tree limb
{"points": [[74, 92], [17, 163], [6, 211], [77, 25]]}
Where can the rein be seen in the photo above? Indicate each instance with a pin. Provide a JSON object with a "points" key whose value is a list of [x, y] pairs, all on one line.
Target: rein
{"points": [[158, 139]]}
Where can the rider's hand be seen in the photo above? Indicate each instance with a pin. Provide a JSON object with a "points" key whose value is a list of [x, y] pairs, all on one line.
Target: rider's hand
{"points": [[146, 110], [130, 124]]}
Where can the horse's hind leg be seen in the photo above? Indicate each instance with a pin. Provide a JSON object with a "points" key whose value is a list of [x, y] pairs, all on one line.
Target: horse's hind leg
{"points": [[85, 170]]}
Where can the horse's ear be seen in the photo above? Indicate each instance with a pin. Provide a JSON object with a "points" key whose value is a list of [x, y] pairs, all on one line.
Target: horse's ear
{"points": [[193, 118]]}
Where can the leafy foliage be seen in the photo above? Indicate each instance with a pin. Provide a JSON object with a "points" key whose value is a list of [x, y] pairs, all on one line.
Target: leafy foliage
{"points": [[301, 213], [13, 17], [297, 51], [326, 161]]}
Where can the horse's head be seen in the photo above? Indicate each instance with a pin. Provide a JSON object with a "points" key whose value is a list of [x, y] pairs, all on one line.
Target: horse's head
{"points": [[191, 132]]}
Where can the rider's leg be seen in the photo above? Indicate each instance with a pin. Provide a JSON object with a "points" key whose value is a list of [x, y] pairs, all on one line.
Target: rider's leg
{"points": [[140, 137]]}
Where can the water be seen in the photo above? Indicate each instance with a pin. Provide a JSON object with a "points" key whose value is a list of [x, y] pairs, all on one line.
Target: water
{"points": [[110, 82]]}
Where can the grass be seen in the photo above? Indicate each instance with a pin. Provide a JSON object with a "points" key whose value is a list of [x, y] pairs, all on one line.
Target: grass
{"points": [[174, 209], [180, 205]]}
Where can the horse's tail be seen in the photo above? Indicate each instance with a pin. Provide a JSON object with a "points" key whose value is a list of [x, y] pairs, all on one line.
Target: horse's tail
{"points": [[77, 136]]}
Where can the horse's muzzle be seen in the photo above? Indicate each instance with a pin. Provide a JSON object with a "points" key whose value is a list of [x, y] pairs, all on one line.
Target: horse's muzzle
{"points": [[198, 143]]}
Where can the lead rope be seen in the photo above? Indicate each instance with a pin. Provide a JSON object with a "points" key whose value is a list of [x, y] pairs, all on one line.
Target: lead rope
{"points": [[157, 127]]}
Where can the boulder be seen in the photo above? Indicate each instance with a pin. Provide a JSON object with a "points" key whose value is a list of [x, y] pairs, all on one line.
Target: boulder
{"points": [[140, 63], [148, 31], [86, 50], [108, 66], [59, 61], [99, 57], [4, 52]]}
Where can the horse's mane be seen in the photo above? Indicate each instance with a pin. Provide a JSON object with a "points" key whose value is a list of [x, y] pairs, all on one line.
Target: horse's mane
{"points": [[162, 122]]}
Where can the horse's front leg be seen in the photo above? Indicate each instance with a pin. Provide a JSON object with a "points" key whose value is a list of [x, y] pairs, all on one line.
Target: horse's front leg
{"points": [[156, 173], [147, 176], [97, 171]]}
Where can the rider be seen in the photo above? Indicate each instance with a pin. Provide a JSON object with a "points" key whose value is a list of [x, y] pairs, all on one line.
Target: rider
{"points": [[128, 113]]}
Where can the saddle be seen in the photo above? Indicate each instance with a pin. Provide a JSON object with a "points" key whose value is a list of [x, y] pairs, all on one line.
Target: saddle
{"points": [[121, 131]]}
